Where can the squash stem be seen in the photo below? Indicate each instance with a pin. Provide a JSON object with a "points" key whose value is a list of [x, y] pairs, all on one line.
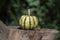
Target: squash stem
{"points": [[29, 12]]}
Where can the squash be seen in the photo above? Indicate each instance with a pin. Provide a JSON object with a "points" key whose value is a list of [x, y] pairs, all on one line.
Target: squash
{"points": [[28, 22]]}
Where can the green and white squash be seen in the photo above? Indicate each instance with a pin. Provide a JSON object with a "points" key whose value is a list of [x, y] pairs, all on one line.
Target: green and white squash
{"points": [[28, 22]]}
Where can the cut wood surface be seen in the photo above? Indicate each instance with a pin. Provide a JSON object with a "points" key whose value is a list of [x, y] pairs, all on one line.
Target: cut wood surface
{"points": [[11, 33]]}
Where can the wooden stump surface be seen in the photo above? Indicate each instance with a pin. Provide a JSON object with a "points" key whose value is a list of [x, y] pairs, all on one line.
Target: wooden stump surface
{"points": [[12, 33]]}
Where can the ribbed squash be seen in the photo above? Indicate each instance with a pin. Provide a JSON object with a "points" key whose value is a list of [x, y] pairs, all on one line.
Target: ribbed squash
{"points": [[28, 22]]}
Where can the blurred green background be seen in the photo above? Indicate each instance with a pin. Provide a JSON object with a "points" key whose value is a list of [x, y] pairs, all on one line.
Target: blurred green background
{"points": [[47, 11]]}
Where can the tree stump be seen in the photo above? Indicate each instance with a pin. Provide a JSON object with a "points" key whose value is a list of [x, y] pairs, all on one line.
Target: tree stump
{"points": [[9, 33]]}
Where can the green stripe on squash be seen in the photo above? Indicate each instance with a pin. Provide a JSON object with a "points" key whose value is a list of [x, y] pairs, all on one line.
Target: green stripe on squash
{"points": [[29, 23], [24, 23]]}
